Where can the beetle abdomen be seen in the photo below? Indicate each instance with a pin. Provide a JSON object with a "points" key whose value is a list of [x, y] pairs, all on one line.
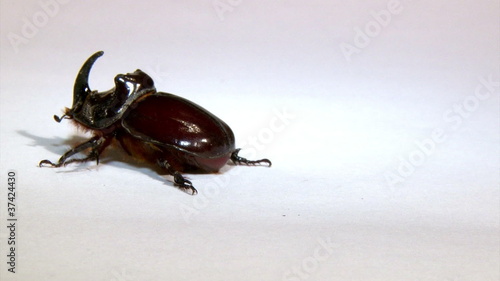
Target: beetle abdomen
{"points": [[169, 120], [211, 165], [177, 159]]}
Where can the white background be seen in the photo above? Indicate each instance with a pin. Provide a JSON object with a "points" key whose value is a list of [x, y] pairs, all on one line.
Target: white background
{"points": [[349, 122]]}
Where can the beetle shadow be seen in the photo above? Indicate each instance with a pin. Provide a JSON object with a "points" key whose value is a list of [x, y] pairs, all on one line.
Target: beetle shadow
{"points": [[112, 156]]}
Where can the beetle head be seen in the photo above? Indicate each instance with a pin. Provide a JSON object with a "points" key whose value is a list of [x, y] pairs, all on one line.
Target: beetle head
{"points": [[99, 110]]}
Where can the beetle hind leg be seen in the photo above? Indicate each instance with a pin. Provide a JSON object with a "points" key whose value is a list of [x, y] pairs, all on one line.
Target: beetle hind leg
{"points": [[179, 180], [240, 160]]}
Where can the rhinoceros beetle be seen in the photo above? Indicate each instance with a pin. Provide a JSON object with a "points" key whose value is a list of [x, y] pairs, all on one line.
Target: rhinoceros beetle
{"points": [[160, 128]]}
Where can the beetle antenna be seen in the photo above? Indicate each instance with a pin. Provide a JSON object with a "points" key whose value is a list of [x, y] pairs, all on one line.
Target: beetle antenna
{"points": [[59, 119]]}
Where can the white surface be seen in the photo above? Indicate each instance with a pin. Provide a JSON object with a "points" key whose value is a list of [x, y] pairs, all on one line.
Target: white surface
{"points": [[353, 123]]}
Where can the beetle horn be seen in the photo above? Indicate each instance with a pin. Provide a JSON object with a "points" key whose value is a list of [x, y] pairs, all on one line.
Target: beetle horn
{"points": [[82, 89]]}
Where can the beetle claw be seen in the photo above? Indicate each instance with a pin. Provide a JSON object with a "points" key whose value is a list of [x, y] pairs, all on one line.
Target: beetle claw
{"points": [[48, 162], [184, 184], [190, 189]]}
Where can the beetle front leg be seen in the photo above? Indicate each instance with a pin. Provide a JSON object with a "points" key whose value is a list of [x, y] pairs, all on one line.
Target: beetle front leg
{"points": [[97, 144], [240, 160], [179, 180]]}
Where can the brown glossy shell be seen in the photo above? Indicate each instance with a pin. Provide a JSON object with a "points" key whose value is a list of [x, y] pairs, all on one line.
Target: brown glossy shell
{"points": [[169, 120]]}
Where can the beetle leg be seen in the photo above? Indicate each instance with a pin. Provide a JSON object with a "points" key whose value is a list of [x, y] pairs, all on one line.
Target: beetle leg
{"points": [[240, 160], [97, 144], [179, 180], [185, 184], [93, 155]]}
